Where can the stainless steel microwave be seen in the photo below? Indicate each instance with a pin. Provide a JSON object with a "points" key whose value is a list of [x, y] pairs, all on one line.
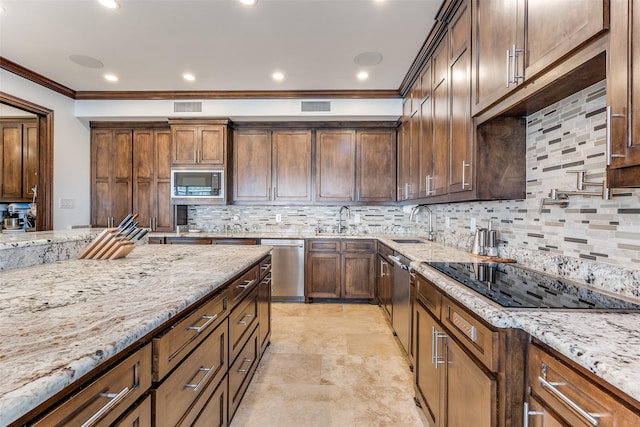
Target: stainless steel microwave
{"points": [[197, 185]]}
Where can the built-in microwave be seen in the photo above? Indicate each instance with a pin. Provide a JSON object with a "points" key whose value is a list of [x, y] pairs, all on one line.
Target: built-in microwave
{"points": [[196, 185]]}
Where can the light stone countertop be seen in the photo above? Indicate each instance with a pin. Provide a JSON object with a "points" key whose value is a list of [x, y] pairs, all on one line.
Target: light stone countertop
{"points": [[17, 240], [60, 320]]}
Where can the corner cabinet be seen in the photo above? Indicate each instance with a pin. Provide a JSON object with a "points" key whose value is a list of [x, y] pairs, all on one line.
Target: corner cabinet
{"points": [[465, 371], [623, 91]]}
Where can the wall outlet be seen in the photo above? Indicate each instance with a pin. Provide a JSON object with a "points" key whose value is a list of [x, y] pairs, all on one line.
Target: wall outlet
{"points": [[472, 224], [447, 222], [278, 217], [236, 218], [66, 203], [356, 218]]}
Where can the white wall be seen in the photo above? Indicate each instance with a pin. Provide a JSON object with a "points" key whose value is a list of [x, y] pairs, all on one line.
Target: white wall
{"points": [[71, 143]]}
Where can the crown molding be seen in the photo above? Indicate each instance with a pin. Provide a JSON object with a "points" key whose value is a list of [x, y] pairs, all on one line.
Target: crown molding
{"points": [[240, 94], [25, 73]]}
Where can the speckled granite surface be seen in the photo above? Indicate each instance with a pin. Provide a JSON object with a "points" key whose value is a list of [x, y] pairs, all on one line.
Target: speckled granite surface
{"points": [[60, 320], [18, 250]]}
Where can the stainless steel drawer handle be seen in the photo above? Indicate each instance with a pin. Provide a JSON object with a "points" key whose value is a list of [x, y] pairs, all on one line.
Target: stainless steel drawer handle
{"points": [[528, 413], [552, 387], [437, 359], [265, 267], [244, 322], [208, 371], [115, 398], [244, 371], [210, 320], [246, 284]]}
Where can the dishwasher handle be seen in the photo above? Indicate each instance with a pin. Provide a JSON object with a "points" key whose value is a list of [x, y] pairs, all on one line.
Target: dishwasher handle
{"points": [[397, 261]]}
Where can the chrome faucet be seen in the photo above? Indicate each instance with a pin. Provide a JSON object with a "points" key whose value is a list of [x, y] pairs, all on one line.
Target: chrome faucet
{"points": [[340, 217], [413, 213]]}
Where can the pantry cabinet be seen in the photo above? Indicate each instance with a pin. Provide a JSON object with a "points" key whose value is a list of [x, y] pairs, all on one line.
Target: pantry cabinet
{"points": [[516, 41], [623, 92]]}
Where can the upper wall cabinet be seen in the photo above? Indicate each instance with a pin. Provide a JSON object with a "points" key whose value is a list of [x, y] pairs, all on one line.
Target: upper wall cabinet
{"points": [[335, 165], [623, 91], [376, 165], [19, 160], [517, 40], [199, 142]]}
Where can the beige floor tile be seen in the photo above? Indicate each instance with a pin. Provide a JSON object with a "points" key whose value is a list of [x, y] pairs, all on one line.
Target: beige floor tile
{"points": [[330, 365]]}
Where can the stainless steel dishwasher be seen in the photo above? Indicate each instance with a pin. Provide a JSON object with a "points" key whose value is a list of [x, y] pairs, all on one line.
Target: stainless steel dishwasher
{"points": [[287, 269], [401, 317]]}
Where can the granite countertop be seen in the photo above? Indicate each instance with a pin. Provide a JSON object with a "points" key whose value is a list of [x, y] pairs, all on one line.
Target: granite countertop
{"points": [[17, 240], [60, 320]]}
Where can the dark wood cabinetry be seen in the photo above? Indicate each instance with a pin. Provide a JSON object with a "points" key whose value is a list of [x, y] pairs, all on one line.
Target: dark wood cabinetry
{"points": [[623, 93], [440, 118], [199, 143], [251, 165], [340, 269], [376, 166], [335, 165], [384, 277], [19, 159]]}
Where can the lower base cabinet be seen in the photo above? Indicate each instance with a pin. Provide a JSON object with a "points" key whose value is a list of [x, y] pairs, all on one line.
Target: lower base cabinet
{"points": [[241, 371], [138, 416]]}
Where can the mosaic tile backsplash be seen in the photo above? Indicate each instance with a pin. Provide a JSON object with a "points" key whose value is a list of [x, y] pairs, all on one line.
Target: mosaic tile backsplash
{"points": [[578, 241]]}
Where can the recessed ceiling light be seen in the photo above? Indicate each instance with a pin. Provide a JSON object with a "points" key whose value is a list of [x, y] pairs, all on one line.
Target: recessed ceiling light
{"points": [[189, 77], [248, 2], [363, 75], [111, 77], [278, 76], [111, 4]]}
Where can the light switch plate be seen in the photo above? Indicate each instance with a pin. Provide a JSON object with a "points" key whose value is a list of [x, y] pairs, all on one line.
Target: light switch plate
{"points": [[278, 217], [472, 224], [356, 218], [447, 222], [66, 203]]}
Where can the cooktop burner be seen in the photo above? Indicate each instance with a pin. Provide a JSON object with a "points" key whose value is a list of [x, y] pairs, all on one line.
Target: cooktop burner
{"points": [[516, 287]]}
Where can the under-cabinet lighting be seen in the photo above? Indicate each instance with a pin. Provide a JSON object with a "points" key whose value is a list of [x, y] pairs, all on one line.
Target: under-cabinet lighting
{"points": [[111, 4]]}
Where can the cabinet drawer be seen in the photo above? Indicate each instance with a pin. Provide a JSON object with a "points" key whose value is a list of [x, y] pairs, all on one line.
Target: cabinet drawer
{"points": [[242, 286], [265, 266], [241, 371], [249, 242], [571, 395], [179, 392], [323, 246], [430, 295], [187, 240], [242, 321], [475, 336], [359, 246], [384, 250], [211, 408], [178, 341], [139, 416], [109, 396], [155, 240]]}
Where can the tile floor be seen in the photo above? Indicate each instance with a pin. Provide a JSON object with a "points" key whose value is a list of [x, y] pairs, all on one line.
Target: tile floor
{"points": [[330, 365]]}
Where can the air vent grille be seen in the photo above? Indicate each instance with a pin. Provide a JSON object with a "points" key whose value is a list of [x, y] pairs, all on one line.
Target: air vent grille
{"points": [[187, 107], [315, 106]]}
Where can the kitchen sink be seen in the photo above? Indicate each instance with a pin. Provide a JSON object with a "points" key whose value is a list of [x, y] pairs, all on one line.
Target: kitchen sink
{"points": [[408, 240]]}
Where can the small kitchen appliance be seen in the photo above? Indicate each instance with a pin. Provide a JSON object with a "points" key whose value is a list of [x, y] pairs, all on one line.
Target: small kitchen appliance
{"points": [[19, 218]]}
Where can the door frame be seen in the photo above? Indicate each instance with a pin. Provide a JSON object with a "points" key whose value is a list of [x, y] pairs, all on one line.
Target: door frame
{"points": [[44, 218]]}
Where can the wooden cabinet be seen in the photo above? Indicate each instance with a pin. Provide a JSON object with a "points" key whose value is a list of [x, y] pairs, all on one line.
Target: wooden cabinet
{"points": [[108, 397], [561, 393], [376, 165], [425, 179], [409, 157], [335, 165], [111, 176], [440, 119], [19, 159], [264, 304], [152, 178], [465, 372], [272, 166], [623, 93], [384, 276], [516, 41], [340, 269], [196, 143]]}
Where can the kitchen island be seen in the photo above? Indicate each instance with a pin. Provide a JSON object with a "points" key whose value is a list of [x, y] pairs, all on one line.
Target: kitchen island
{"points": [[61, 320]]}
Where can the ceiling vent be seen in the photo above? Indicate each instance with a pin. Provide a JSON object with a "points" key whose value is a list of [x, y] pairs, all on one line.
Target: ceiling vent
{"points": [[187, 107], [315, 106]]}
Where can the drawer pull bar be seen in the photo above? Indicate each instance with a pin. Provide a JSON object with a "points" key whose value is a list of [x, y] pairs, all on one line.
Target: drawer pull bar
{"points": [[115, 398], [265, 267], [528, 413], [244, 322], [210, 320], [246, 284], [552, 388], [208, 371], [244, 371]]}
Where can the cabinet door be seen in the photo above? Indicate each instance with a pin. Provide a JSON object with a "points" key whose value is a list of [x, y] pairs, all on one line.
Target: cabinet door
{"points": [[322, 275], [143, 176], [404, 160], [414, 156], [30, 159], [252, 165], [185, 144], [440, 120], [540, 417], [385, 284], [426, 138], [164, 210], [11, 165], [212, 144], [428, 376], [358, 274], [376, 165], [461, 140], [264, 311], [471, 394], [495, 31], [292, 165], [557, 27], [335, 165]]}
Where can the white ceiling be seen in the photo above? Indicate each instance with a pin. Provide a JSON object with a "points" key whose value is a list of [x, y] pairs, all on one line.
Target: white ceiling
{"points": [[149, 44]]}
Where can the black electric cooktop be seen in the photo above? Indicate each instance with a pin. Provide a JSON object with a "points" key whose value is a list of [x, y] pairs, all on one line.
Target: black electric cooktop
{"points": [[511, 286]]}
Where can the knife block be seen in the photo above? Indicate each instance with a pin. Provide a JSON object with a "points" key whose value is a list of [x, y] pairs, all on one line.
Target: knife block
{"points": [[108, 245]]}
